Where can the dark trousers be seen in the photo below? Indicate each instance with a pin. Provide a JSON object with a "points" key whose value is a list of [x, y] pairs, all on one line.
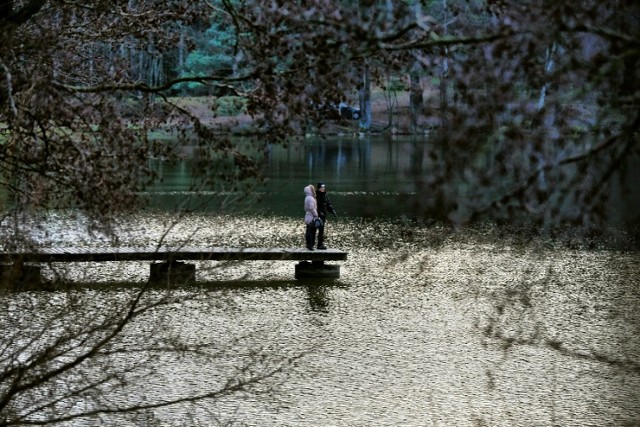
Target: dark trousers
{"points": [[321, 233], [310, 235]]}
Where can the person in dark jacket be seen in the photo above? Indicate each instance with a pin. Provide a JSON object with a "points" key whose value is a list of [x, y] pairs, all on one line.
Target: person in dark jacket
{"points": [[324, 206]]}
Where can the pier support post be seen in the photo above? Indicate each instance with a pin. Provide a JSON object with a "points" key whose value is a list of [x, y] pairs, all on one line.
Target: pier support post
{"points": [[18, 275], [316, 270], [172, 272]]}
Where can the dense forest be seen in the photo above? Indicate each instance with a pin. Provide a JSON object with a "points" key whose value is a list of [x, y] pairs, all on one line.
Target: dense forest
{"points": [[536, 109]]}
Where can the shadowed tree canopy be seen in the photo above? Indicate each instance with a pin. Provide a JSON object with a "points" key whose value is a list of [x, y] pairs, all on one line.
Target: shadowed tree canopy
{"points": [[537, 111], [82, 87]]}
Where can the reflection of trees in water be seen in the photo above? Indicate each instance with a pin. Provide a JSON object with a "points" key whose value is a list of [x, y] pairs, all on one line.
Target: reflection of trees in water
{"points": [[82, 355], [519, 316], [417, 154], [339, 155], [411, 165]]}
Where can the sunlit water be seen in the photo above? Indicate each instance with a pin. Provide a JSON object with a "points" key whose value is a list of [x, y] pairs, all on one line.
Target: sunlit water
{"points": [[425, 327]]}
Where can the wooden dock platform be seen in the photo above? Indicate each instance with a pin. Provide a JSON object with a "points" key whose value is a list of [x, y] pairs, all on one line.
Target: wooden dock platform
{"points": [[185, 253], [172, 265]]}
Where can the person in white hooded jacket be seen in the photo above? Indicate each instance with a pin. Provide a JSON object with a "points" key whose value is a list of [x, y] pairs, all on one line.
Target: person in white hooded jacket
{"points": [[310, 213]]}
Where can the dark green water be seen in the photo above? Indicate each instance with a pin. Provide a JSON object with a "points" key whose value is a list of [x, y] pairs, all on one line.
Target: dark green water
{"points": [[365, 177], [369, 177]]}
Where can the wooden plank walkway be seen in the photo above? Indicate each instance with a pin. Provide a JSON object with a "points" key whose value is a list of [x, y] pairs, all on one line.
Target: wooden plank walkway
{"points": [[46, 255]]}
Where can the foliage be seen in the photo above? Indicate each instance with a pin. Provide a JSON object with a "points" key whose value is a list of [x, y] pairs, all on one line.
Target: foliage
{"points": [[521, 77], [229, 105], [74, 136], [81, 354], [82, 86], [533, 96], [213, 56], [537, 114]]}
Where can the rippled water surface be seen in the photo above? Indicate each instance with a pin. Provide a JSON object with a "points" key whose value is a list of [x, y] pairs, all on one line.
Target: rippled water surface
{"points": [[425, 327]]}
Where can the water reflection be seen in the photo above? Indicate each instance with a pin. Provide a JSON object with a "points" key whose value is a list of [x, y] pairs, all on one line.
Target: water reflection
{"points": [[318, 297], [359, 172], [338, 157], [372, 176]]}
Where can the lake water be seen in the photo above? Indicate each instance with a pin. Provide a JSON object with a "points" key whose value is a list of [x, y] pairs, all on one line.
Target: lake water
{"points": [[425, 327], [358, 173], [368, 177]]}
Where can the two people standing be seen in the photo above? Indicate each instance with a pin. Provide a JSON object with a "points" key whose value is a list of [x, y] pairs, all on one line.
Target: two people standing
{"points": [[316, 206]]}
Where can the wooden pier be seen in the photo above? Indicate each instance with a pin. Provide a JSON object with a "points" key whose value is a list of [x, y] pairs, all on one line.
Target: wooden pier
{"points": [[171, 265]]}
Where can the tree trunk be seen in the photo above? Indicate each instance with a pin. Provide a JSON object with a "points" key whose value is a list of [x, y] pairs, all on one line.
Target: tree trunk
{"points": [[444, 96], [365, 101], [415, 96], [181, 48], [366, 13], [548, 66], [443, 198]]}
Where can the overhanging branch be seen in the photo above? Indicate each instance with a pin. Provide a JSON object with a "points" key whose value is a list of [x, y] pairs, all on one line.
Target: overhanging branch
{"points": [[446, 41], [219, 81], [24, 13], [608, 143]]}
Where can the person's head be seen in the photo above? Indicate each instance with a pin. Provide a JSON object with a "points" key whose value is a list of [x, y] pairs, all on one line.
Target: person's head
{"points": [[321, 186], [309, 190]]}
